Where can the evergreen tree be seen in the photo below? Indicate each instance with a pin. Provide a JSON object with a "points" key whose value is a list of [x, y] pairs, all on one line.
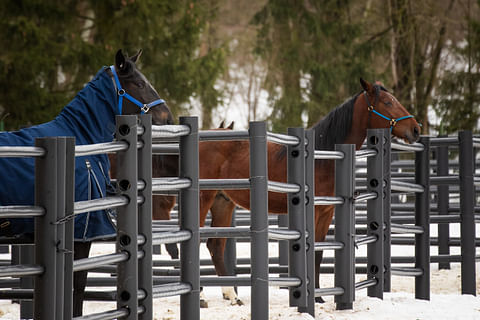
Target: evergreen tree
{"points": [[52, 48]]}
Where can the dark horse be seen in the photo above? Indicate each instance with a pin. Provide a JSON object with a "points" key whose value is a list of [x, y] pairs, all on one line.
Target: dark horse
{"points": [[90, 118], [374, 107]]}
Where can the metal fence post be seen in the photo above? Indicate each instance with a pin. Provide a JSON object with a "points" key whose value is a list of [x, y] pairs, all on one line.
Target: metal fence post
{"points": [[127, 217], [69, 227], [375, 214], [188, 216], [296, 216], [259, 220], [422, 219], [46, 194], [345, 226], [60, 258], [467, 204], [310, 221], [442, 204], [145, 280]]}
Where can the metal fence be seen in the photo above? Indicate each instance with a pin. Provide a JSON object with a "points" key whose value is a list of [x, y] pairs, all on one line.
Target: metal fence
{"points": [[136, 287]]}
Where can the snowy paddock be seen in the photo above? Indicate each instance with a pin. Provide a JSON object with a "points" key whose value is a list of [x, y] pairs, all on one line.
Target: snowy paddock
{"points": [[446, 301]]}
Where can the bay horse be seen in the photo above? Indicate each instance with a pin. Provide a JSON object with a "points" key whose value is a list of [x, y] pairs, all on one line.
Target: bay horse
{"points": [[374, 107], [90, 118]]}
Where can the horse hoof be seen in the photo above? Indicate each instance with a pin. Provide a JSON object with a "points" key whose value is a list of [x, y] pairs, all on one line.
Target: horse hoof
{"points": [[319, 300], [203, 303], [237, 302]]}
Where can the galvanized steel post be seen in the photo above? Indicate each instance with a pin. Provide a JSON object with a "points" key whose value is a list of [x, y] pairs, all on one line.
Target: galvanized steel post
{"points": [[145, 264], [345, 226], [422, 219], [375, 214], [259, 220], [467, 205], [46, 196], [127, 216], [296, 216], [60, 258], [387, 219], [310, 221], [188, 215]]}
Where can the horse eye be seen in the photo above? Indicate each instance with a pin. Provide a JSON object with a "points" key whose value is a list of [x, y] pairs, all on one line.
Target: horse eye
{"points": [[141, 84], [388, 103]]}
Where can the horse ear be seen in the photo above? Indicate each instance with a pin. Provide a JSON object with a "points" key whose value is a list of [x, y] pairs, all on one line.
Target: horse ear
{"points": [[120, 60], [230, 126], [136, 56], [222, 124], [367, 86]]}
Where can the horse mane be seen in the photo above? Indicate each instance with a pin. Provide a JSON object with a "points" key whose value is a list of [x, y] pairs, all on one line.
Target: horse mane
{"points": [[335, 126]]}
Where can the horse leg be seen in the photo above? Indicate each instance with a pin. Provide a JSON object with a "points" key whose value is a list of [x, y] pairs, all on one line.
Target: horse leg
{"points": [[323, 218], [81, 250], [162, 205], [222, 211], [206, 200]]}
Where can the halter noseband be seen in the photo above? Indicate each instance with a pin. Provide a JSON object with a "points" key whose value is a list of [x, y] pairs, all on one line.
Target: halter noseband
{"points": [[144, 107], [371, 108]]}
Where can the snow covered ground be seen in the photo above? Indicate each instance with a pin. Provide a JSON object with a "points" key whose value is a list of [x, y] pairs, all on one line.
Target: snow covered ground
{"points": [[446, 301]]}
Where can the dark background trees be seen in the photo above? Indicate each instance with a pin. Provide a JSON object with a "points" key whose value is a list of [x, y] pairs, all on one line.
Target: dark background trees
{"points": [[305, 56]]}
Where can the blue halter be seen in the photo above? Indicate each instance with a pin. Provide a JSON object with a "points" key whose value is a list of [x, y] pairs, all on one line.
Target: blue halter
{"points": [[144, 107], [371, 108]]}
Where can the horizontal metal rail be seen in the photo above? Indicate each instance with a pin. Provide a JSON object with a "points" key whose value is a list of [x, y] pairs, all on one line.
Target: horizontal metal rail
{"points": [[401, 228], [365, 153], [224, 232], [283, 234], [284, 282], [328, 155], [21, 211], [443, 141], [406, 186], [275, 186], [170, 184], [21, 270], [21, 151], [167, 148], [282, 139], [407, 147], [169, 131], [476, 142], [110, 315], [170, 237], [224, 184], [94, 262], [336, 291], [98, 148], [99, 204], [328, 245], [171, 289], [406, 271], [325, 201], [365, 284], [218, 135], [365, 240], [366, 196]]}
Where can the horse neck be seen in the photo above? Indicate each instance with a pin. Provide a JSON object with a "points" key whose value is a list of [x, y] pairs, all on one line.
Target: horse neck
{"points": [[93, 110], [358, 131]]}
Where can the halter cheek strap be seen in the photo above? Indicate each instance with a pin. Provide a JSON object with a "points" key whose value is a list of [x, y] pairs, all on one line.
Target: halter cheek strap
{"points": [[144, 107], [371, 108]]}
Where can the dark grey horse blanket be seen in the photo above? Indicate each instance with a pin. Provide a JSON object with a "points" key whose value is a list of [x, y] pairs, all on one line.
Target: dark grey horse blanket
{"points": [[90, 118]]}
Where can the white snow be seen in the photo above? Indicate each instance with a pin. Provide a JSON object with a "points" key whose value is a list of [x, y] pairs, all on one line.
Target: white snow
{"points": [[446, 301]]}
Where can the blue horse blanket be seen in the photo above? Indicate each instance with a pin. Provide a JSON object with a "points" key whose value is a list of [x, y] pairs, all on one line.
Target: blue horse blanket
{"points": [[90, 118]]}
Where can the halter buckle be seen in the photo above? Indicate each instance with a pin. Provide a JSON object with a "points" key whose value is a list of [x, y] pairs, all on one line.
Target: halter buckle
{"points": [[370, 108], [121, 92], [145, 108], [393, 122]]}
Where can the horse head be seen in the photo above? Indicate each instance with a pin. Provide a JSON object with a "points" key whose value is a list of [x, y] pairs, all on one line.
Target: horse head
{"points": [[139, 94], [385, 111]]}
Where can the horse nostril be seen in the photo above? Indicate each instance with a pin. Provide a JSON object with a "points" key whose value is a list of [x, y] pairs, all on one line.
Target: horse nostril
{"points": [[416, 132]]}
